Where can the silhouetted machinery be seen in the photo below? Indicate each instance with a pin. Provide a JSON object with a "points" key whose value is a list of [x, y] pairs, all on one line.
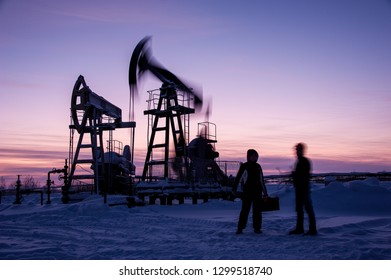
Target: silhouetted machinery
{"points": [[203, 155], [169, 110], [91, 115]]}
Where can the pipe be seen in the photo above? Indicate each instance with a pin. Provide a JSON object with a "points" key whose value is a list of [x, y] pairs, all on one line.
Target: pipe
{"points": [[18, 194]]}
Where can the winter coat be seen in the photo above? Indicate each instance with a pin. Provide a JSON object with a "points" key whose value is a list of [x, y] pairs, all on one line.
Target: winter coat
{"points": [[302, 174], [250, 176]]}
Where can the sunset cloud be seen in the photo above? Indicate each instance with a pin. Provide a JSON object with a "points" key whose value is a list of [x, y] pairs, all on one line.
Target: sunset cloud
{"points": [[278, 74]]}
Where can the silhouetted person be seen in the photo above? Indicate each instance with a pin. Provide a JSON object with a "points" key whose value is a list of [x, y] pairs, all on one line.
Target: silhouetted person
{"points": [[301, 182], [253, 188]]}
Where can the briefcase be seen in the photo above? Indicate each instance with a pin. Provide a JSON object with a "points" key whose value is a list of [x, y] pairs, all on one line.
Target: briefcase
{"points": [[270, 203]]}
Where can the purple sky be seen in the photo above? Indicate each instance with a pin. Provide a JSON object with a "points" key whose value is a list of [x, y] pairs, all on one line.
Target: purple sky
{"points": [[278, 72]]}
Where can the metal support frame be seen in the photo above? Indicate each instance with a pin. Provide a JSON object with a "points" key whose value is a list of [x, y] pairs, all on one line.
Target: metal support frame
{"points": [[172, 113], [91, 114]]}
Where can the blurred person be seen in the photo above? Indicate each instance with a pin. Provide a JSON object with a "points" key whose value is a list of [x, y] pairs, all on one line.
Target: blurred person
{"points": [[301, 182], [251, 176]]}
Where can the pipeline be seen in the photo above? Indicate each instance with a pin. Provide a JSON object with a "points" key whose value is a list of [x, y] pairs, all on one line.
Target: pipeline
{"points": [[65, 178]]}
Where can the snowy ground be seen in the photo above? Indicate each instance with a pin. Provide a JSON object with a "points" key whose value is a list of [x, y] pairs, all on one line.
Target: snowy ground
{"points": [[354, 221]]}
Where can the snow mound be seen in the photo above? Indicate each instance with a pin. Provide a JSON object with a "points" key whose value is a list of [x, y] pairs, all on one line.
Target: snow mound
{"points": [[361, 197], [370, 184], [353, 222]]}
